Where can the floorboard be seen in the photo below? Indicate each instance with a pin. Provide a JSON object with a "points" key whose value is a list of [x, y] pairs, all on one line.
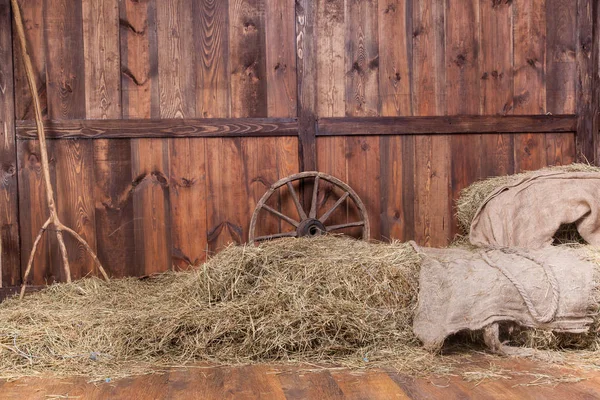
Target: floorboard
{"points": [[518, 378]]}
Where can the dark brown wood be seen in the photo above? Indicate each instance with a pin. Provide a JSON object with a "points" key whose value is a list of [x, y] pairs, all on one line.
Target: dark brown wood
{"points": [[74, 181], [522, 381], [161, 128], [306, 56], [462, 91], [529, 79], [444, 125], [496, 87], [561, 75], [112, 158], [397, 196], [33, 14], [433, 203], [149, 157], [10, 271], [587, 80]]}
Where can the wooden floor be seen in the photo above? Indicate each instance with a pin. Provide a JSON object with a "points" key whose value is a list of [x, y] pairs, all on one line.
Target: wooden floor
{"points": [[520, 379]]}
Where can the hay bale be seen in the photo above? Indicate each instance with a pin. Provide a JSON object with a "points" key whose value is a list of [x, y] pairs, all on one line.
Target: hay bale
{"points": [[328, 299], [473, 196]]}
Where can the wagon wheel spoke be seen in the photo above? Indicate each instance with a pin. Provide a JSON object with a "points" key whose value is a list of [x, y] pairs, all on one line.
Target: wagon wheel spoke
{"points": [[308, 223], [313, 203], [296, 201], [282, 216], [346, 225], [325, 216], [275, 236]]}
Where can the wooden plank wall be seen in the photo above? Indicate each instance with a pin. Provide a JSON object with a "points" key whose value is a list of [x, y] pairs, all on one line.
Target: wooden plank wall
{"points": [[149, 203], [146, 204], [424, 58]]}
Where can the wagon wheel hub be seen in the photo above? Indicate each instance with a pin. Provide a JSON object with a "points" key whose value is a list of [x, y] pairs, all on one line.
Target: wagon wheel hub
{"points": [[310, 227], [311, 219]]}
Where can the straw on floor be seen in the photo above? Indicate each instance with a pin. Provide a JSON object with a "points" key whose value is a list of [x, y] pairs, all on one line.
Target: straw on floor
{"points": [[329, 299]]}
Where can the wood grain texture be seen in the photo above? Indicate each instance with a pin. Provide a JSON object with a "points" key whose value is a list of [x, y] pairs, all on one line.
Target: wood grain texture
{"points": [[295, 383], [141, 99], [438, 125], [529, 21], [561, 75], [161, 128], [65, 71], [247, 58], [32, 198], [213, 91], [587, 79], [112, 159], [10, 270], [228, 196], [187, 180], [362, 99], [496, 88], [397, 162], [462, 90], [433, 204], [330, 56], [32, 12], [306, 61], [280, 48]]}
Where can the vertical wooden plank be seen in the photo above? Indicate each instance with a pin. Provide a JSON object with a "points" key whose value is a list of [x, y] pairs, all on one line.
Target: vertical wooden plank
{"points": [[247, 58], [74, 159], [462, 82], [561, 75], [529, 21], [188, 201], [496, 83], [213, 100], [362, 98], [397, 153], [177, 82], [306, 61], [587, 80], [32, 198], [280, 59], [227, 192], [32, 12], [140, 97], [213, 97], [282, 101], [330, 94], [10, 271], [112, 158], [362, 59], [330, 55], [228, 164], [433, 200]]}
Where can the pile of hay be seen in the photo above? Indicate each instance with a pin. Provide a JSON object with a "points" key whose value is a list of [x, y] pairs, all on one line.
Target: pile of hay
{"points": [[473, 196], [329, 299]]}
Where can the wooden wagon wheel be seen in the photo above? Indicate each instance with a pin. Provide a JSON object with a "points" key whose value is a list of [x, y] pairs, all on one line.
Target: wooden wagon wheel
{"points": [[310, 224]]}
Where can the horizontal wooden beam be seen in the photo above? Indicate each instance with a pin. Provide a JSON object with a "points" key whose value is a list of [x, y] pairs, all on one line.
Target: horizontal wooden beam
{"points": [[160, 128], [446, 125], [344, 126]]}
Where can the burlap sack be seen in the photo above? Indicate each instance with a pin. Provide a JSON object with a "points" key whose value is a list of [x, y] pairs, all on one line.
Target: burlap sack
{"points": [[528, 213], [461, 289]]}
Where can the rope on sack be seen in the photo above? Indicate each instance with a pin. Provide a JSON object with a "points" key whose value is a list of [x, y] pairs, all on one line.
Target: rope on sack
{"points": [[551, 313]]}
